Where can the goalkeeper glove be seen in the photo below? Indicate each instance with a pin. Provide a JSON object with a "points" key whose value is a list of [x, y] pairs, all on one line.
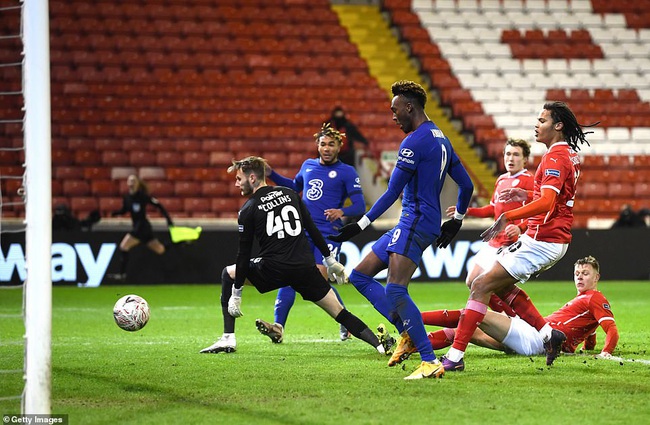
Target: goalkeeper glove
{"points": [[234, 303], [448, 231], [348, 231], [335, 270]]}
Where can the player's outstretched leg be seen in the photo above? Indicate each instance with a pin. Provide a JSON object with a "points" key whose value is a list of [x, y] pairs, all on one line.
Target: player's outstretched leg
{"points": [[274, 331], [359, 329], [283, 303], [376, 294], [343, 332]]}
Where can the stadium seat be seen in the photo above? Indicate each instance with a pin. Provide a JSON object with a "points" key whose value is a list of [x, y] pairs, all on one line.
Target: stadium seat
{"points": [[104, 188], [82, 205], [187, 188], [76, 188], [160, 188]]}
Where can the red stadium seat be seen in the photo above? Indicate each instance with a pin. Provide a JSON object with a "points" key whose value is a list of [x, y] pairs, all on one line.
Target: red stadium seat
{"points": [[642, 190], [76, 188], [214, 189], [108, 205], [197, 205], [620, 190], [104, 188], [187, 188], [593, 189], [81, 206]]}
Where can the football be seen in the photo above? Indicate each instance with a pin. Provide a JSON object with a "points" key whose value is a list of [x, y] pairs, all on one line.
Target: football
{"points": [[131, 313]]}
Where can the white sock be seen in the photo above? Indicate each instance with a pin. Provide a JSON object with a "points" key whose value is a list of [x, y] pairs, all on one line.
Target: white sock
{"points": [[454, 354], [545, 332], [381, 350], [228, 336]]}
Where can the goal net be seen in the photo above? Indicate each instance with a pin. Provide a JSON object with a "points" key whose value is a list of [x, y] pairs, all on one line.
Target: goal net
{"points": [[26, 188]]}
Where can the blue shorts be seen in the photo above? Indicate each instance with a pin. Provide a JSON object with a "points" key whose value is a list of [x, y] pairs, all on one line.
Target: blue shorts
{"points": [[335, 249], [404, 241]]}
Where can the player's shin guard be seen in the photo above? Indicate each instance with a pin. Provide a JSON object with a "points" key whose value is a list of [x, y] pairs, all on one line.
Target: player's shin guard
{"points": [[410, 314], [226, 291], [444, 318], [376, 294], [472, 316], [357, 327], [520, 302], [283, 303]]}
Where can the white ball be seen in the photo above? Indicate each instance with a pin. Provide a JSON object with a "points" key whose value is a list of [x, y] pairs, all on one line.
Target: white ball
{"points": [[131, 313]]}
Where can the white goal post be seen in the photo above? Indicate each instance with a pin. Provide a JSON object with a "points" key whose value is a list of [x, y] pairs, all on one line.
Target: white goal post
{"points": [[38, 208]]}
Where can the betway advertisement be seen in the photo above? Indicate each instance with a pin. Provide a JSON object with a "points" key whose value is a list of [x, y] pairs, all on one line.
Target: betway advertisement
{"points": [[88, 259]]}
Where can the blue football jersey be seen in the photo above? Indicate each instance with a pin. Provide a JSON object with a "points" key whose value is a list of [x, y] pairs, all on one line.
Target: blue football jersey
{"points": [[325, 187], [426, 155]]}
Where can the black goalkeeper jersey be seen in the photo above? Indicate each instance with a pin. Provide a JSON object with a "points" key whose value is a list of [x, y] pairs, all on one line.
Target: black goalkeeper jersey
{"points": [[277, 217]]}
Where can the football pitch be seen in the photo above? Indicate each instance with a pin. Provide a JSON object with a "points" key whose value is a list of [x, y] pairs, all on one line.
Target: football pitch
{"points": [[104, 375]]}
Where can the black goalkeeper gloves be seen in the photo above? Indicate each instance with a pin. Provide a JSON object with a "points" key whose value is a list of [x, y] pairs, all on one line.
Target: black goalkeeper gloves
{"points": [[346, 233], [448, 232]]}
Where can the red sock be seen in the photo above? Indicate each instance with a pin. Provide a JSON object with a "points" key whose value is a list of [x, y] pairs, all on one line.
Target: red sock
{"points": [[520, 302], [442, 338], [498, 305], [472, 316], [444, 318]]}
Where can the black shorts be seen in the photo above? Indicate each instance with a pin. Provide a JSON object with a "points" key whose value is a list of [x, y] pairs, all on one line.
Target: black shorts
{"points": [[143, 232], [269, 275]]}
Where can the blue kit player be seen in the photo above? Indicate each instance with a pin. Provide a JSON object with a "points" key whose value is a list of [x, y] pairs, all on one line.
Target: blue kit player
{"points": [[325, 183], [425, 157]]}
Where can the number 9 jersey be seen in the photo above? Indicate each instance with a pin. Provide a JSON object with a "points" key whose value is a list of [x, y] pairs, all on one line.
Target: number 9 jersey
{"points": [[277, 217]]}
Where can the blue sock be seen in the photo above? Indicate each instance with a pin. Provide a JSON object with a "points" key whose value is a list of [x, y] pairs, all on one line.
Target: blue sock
{"points": [[412, 318], [376, 294], [283, 303]]}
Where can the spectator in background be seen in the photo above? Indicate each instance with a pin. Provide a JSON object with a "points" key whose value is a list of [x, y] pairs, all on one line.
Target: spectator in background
{"points": [[63, 219], [351, 134], [135, 202], [629, 218]]}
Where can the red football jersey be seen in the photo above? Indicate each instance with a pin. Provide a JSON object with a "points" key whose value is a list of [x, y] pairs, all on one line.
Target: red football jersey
{"points": [[523, 180], [580, 317], [559, 171]]}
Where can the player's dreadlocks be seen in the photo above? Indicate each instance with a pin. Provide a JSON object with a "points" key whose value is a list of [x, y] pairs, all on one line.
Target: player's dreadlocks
{"points": [[560, 112], [328, 131], [410, 90]]}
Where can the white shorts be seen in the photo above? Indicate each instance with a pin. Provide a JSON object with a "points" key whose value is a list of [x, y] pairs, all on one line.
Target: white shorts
{"points": [[523, 339], [485, 257], [528, 256]]}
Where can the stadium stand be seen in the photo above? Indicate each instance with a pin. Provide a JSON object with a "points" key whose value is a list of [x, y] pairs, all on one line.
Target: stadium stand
{"points": [[175, 89], [495, 62]]}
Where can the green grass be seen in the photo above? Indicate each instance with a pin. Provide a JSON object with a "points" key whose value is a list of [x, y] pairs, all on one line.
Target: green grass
{"points": [[103, 375]]}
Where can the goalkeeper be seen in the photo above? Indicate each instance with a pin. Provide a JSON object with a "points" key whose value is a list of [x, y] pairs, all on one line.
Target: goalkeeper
{"points": [[278, 219]]}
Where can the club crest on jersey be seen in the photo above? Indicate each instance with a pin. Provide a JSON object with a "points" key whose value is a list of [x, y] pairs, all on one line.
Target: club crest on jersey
{"points": [[240, 228], [552, 172], [136, 207], [515, 183], [332, 174]]}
